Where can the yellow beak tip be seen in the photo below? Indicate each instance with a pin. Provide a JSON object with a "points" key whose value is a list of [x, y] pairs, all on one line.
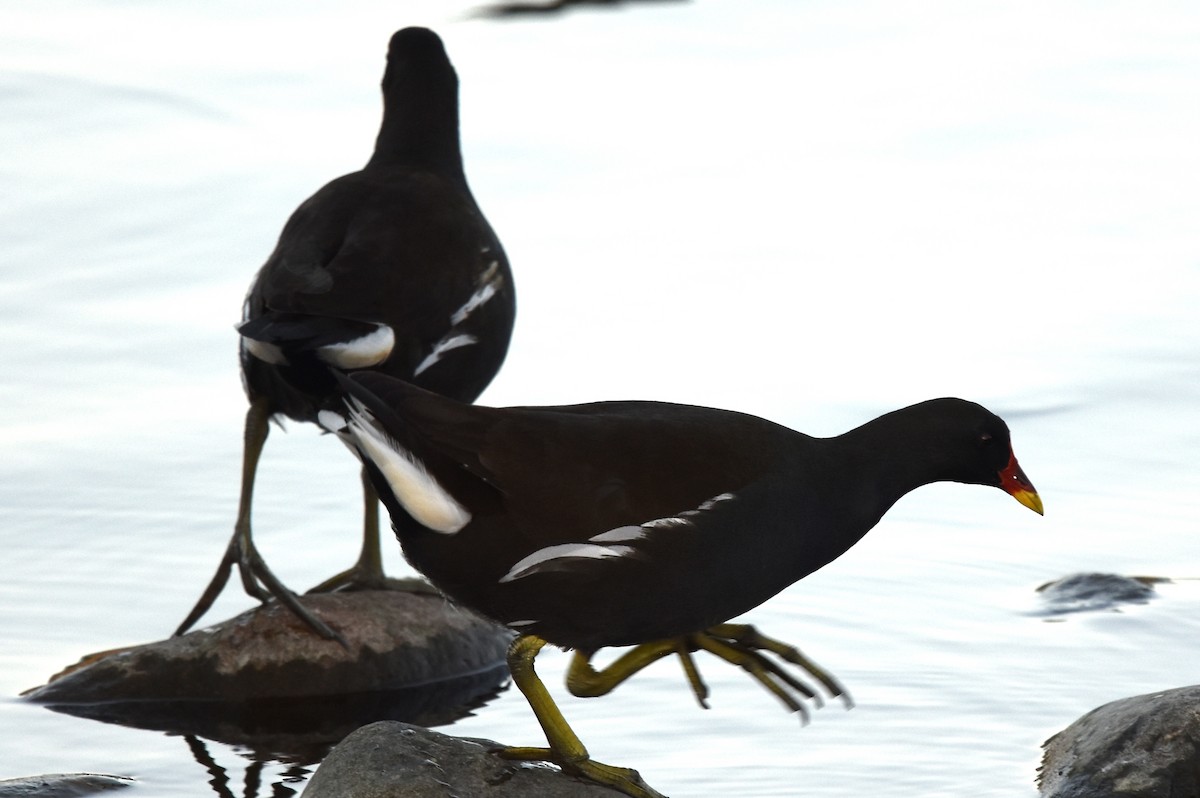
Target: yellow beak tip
{"points": [[1030, 499]]}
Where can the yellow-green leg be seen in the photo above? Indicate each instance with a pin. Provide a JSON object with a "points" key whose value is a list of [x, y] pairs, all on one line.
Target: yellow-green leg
{"points": [[585, 681], [367, 573], [565, 749], [257, 579], [737, 644]]}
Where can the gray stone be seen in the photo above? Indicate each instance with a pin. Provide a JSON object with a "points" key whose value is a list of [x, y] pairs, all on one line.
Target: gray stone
{"points": [[396, 760], [394, 638], [263, 681], [1147, 746], [1092, 592], [61, 785]]}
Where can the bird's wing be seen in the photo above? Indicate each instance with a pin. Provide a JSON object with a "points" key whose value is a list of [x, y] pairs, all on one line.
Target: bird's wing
{"points": [[572, 468]]}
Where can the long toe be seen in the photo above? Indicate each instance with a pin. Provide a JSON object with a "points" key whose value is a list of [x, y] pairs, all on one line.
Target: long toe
{"points": [[356, 578], [625, 780]]}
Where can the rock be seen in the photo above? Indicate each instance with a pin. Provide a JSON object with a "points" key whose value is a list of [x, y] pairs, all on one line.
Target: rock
{"points": [[61, 785], [263, 679], [396, 760], [1147, 746], [1087, 592], [395, 639]]}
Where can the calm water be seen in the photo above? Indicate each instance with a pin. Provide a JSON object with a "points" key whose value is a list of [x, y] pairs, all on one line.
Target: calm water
{"points": [[815, 212]]}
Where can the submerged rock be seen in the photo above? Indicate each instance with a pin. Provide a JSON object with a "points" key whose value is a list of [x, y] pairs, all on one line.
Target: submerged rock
{"points": [[396, 760], [1147, 746], [1089, 592], [264, 679], [62, 785]]}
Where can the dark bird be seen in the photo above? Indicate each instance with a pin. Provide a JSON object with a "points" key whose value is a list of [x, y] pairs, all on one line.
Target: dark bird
{"points": [[392, 269], [645, 524]]}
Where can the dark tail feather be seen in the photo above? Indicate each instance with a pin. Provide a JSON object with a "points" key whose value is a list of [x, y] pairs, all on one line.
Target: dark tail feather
{"points": [[381, 395], [433, 427]]}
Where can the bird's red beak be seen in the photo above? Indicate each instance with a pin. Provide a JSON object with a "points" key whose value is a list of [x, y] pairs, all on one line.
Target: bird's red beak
{"points": [[1014, 482]]}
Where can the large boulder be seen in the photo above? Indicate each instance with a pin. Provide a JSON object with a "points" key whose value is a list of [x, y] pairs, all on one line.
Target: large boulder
{"points": [[1147, 746]]}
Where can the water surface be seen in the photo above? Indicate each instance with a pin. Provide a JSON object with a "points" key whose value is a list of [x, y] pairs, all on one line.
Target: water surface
{"points": [[815, 212]]}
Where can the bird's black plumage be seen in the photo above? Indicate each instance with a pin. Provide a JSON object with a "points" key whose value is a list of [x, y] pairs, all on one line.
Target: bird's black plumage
{"points": [[684, 516], [645, 523], [400, 243], [392, 269]]}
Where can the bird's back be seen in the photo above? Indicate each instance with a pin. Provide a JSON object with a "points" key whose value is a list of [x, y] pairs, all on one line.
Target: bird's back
{"points": [[397, 259]]}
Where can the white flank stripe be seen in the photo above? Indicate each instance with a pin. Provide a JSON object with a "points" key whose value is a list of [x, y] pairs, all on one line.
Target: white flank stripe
{"points": [[442, 347], [363, 352], [485, 292], [562, 551], [619, 534], [667, 523], [708, 505], [489, 285], [674, 521], [415, 488]]}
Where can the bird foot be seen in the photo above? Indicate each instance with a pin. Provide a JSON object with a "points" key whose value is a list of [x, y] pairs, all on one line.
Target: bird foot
{"points": [[258, 582], [746, 647], [624, 780], [738, 644], [356, 578]]}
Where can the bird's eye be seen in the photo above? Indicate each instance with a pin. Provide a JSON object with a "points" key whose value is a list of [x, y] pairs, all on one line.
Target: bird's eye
{"points": [[985, 438]]}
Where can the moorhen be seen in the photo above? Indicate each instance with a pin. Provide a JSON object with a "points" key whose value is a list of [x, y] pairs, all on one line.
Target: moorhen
{"points": [[391, 269], [644, 524]]}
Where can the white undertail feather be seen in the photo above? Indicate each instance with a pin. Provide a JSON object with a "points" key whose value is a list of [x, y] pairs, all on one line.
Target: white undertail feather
{"points": [[332, 422], [414, 487], [267, 353], [362, 352], [339, 425]]}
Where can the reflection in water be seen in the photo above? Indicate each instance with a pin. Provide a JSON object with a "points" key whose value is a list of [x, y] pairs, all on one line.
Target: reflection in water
{"points": [[790, 209], [251, 781], [300, 730], [294, 732]]}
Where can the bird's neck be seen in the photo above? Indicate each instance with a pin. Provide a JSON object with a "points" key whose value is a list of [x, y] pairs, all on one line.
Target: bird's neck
{"points": [[893, 456], [426, 138]]}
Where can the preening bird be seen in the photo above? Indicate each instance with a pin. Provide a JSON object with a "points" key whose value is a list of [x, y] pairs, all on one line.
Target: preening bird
{"points": [[645, 524], [392, 269]]}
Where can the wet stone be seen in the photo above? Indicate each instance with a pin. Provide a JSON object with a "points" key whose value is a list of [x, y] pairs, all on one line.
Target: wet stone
{"points": [[1146, 746], [1093, 592], [62, 785], [394, 639], [396, 760], [264, 679]]}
